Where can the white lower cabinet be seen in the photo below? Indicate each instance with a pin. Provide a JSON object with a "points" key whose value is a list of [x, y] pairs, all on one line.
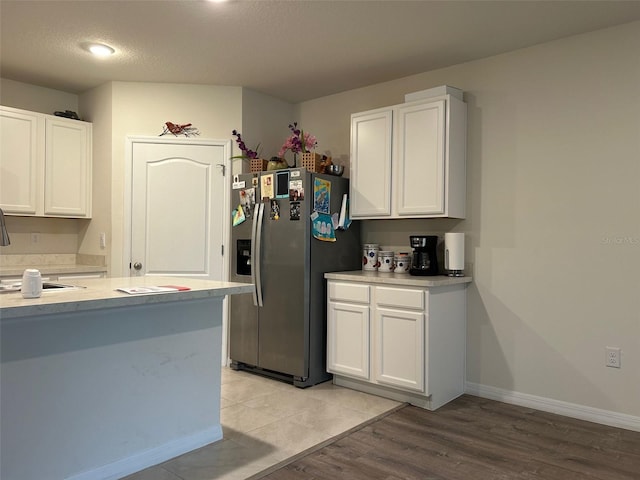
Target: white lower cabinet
{"points": [[348, 330], [349, 342], [399, 347], [404, 343]]}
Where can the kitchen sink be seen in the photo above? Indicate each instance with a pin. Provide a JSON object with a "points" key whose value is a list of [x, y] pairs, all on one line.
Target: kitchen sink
{"points": [[53, 285]]}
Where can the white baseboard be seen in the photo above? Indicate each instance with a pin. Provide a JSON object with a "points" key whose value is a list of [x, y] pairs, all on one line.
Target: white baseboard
{"points": [[153, 456], [581, 412]]}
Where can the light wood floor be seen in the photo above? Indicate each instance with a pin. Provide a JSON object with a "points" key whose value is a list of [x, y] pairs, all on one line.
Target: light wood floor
{"points": [[472, 439]]}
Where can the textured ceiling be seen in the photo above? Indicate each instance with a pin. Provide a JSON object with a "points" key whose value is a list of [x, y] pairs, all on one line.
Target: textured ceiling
{"points": [[295, 50]]}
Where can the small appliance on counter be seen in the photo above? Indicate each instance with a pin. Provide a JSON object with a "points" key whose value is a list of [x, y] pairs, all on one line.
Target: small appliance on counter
{"points": [[424, 260], [454, 254]]}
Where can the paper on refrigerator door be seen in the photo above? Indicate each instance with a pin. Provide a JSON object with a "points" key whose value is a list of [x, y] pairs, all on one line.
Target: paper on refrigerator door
{"points": [[322, 227], [344, 220]]}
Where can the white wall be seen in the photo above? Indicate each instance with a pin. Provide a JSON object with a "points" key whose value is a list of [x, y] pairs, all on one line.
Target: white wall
{"points": [[553, 225], [97, 107], [55, 235], [35, 98], [265, 121]]}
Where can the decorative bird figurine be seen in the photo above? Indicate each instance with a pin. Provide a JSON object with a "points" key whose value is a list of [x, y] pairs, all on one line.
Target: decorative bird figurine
{"points": [[186, 129]]}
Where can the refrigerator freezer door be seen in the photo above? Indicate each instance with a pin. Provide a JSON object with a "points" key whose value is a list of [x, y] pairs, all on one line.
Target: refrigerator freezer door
{"points": [[243, 315]]}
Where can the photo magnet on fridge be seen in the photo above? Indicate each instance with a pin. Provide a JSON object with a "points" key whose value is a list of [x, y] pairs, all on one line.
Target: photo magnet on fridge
{"points": [[282, 182], [266, 185], [294, 211], [248, 200], [275, 210], [296, 191]]}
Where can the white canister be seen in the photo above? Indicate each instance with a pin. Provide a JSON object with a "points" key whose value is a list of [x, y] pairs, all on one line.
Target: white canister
{"points": [[370, 256], [31, 283], [402, 263], [385, 260]]}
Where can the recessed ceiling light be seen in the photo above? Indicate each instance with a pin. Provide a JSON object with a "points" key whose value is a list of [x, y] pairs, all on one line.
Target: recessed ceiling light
{"points": [[100, 49]]}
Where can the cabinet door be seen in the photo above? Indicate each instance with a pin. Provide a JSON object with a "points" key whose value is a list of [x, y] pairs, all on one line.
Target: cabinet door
{"points": [[370, 185], [67, 168], [19, 162], [420, 166], [399, 349], [348, 339]]}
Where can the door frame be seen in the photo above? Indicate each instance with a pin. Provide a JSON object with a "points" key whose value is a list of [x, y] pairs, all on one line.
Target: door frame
{"points": [[226, 232]]}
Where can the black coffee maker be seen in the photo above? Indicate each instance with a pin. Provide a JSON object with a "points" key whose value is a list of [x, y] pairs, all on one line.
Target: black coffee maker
{"points": [[424, 260]]}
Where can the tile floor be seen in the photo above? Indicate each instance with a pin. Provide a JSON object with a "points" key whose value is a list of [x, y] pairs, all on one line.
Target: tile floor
{"points": [[265, 421]]}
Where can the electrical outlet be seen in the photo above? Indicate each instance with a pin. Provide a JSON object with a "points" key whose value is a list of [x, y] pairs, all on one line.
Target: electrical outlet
{"points": [[35, 237], [613, 357], [103, 240]]}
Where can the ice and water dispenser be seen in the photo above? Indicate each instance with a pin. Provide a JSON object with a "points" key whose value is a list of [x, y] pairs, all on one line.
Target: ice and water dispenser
{"points": [[243, 260]]}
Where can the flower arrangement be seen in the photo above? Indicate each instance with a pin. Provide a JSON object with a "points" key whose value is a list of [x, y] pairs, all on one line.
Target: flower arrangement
{"points": [[298, 141], [246, 152]]}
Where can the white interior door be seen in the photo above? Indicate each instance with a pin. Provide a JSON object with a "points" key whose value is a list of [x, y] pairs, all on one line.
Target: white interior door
{"points": [[178, 205]]}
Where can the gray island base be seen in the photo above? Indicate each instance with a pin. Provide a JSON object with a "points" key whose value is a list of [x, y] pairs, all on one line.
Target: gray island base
{"points": [[98, 384]]}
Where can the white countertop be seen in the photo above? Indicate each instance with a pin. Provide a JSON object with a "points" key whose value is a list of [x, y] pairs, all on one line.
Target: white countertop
{"points": [[102, 293], [396, 278]]}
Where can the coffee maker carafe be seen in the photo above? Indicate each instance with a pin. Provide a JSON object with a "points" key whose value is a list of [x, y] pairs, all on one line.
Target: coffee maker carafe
{"points": [[424, 260]]}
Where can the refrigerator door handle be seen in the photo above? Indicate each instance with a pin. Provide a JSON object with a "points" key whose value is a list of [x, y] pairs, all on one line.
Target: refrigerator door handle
{"points": [[253, 253], [257, 258]]}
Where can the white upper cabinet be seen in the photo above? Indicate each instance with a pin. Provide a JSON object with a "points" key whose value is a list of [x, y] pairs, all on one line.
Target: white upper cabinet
{"points": [[45, 165], [370, 182], [408, 160], [19, 161], [419, 165], [67, 173]]}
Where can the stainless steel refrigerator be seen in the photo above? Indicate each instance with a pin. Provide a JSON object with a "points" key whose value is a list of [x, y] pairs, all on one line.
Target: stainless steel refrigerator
{"points": [[280, 329]]}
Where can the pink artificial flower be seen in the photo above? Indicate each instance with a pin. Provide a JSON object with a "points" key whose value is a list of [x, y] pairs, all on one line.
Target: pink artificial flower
{"points": [[298, 141]]}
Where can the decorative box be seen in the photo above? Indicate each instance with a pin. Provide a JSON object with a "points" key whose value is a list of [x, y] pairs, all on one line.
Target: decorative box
{"points": [[258, 165], [313, 162]]}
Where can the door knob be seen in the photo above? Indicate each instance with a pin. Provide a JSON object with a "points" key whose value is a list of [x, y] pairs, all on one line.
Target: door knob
{"points": [[137, 266]]}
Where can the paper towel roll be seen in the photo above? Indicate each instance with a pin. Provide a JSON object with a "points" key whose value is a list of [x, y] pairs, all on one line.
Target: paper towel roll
{"points": [[454, 253]]}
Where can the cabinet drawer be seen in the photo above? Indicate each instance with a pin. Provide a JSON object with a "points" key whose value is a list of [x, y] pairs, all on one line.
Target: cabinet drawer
{"points": [[350, 292], [400, 297]]}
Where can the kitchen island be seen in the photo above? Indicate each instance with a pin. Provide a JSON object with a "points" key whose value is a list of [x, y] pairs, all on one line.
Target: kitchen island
{"points": [[97, 383]]}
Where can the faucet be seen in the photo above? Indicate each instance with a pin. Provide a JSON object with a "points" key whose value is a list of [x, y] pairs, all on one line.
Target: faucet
{"points": [[4, 235]]}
